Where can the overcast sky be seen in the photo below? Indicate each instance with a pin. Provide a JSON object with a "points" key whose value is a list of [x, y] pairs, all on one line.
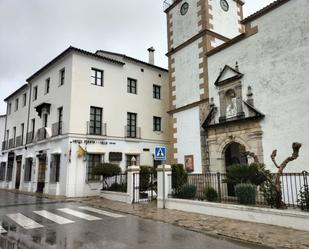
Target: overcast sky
{"points": [[32, 32]]}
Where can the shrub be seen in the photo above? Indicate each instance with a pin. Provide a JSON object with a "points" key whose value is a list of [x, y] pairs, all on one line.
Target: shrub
{"points": [[145, 177], [246, 193], [253, 173], [211, 194], [303, 199], [106, 170], [118, 187], [187, 191], [179, 176]]}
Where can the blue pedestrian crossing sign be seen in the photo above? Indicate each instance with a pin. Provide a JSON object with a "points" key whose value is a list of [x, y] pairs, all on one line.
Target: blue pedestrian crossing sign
{"points": [[160, 153]]}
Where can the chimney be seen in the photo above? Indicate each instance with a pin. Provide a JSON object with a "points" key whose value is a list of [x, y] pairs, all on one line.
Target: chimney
{"points": [[151, 55]]}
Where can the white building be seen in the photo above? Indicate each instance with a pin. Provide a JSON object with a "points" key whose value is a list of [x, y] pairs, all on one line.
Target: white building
{"points": [[238, 83], [79, 110], [2, 157]]}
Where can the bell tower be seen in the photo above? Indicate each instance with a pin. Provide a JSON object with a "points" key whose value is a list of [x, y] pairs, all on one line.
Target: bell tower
{"points": [[194, 27]]}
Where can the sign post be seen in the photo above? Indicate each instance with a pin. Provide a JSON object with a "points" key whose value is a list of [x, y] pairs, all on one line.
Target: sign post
{"points": [[160, 155]]}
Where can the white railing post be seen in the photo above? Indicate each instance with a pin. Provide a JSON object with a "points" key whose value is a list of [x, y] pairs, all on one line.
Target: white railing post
{"points": [[133, 183], [164, 182]]}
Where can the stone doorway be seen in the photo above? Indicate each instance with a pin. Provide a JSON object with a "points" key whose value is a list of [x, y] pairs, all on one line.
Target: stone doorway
{"points": [[234, 154]]}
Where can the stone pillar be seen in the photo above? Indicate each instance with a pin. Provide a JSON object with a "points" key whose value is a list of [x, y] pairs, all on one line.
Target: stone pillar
{"points": [[133, 183], [164, 184], [222, 117], [240, 112]]}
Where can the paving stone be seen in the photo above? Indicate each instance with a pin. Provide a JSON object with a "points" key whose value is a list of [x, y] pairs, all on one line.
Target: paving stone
{"points": [[268, 235]]}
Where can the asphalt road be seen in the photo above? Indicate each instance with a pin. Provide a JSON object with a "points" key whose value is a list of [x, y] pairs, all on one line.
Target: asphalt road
{"points": [[32, 223]]}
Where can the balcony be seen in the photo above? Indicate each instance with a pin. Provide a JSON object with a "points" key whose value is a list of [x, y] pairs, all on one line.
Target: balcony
{"points": [[167, 3], [41, 134], [57, 129], [4, 145], [11, 143], [98, 130], [132, 132], [30, 137], [19, 141]]}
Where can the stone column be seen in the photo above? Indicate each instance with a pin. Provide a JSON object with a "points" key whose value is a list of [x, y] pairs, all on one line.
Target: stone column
{"points": [[164, 184], [240, 112], [133, 183], [222, 106]]}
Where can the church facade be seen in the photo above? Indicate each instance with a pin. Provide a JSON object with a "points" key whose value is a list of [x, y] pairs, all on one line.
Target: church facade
{"points": [[238, 84]]}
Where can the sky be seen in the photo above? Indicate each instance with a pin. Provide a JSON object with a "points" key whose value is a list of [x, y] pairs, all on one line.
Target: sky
{"points": [[32, 32]]}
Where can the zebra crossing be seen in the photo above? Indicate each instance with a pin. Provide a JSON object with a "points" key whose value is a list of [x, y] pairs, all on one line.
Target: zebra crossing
{"points": [[28, 223]]}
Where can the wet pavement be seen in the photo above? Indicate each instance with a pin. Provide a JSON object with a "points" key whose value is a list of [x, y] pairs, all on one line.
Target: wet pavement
{"points": [[74, 226]]}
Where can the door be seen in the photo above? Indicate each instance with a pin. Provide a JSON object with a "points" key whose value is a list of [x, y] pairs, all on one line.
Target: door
{"points": [[41, 175], [18, 171]]}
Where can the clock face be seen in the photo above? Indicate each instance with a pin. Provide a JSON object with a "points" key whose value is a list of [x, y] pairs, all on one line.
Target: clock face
{"points": [[224, 5], [184, 8]]}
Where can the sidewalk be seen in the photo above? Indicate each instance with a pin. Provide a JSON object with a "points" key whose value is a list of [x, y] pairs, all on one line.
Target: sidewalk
{"points": [[267, 235]]}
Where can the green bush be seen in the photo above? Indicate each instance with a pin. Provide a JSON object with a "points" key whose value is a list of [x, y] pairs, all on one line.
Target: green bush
{"points": [[211, 194], [146, 172], [303, 199], [187, 191], [179, 177], [118, 187], [106, 170], [246, 193], [253, 173]]}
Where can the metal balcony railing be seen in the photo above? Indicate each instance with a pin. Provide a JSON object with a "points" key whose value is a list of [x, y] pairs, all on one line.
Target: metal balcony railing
{"points": [[167, 3], [11, 143], [30, 137], [19, 141], [99, 130], [41, 134], [132, 132], [56, 129], [4, 145]]}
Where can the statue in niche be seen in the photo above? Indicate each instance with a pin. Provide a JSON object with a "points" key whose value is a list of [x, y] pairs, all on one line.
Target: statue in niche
{"points": [[231, 108]]}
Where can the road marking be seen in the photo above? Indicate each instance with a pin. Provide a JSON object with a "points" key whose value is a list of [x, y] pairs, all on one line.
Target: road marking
{"points": [[102, 212], [79, 214], [24, 221], [2, 230], [53, 217]]}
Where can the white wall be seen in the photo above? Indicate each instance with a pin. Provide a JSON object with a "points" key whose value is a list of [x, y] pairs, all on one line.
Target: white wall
{"points": [[225, 23], [185, 27], [274, 63], [188, 137], [187, 73]]}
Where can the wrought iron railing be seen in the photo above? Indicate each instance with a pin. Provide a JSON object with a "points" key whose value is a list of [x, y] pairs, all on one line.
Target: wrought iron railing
{"points": [[11, 143], [294, 188], [132, 132], [19, 141], [41, 134], [30, 137], [116, 183], [96, 130], [57, 129], [4, 145]]}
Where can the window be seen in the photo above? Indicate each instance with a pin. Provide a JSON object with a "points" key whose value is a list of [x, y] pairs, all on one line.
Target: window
{"points": [[93, 161], [22, 129], [96, 77], [131, 124], [2, 171], [129, 161], [156, 123], [47, 85], [9, 108], [60, 116], [95, 126], [28, 169], [33, 127], [14, 135], [9, 172], [62, 76], [35, 93], [156, 92], [16, 104], [132, 86], [7, 134], [24, 99], [55, 168]]}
